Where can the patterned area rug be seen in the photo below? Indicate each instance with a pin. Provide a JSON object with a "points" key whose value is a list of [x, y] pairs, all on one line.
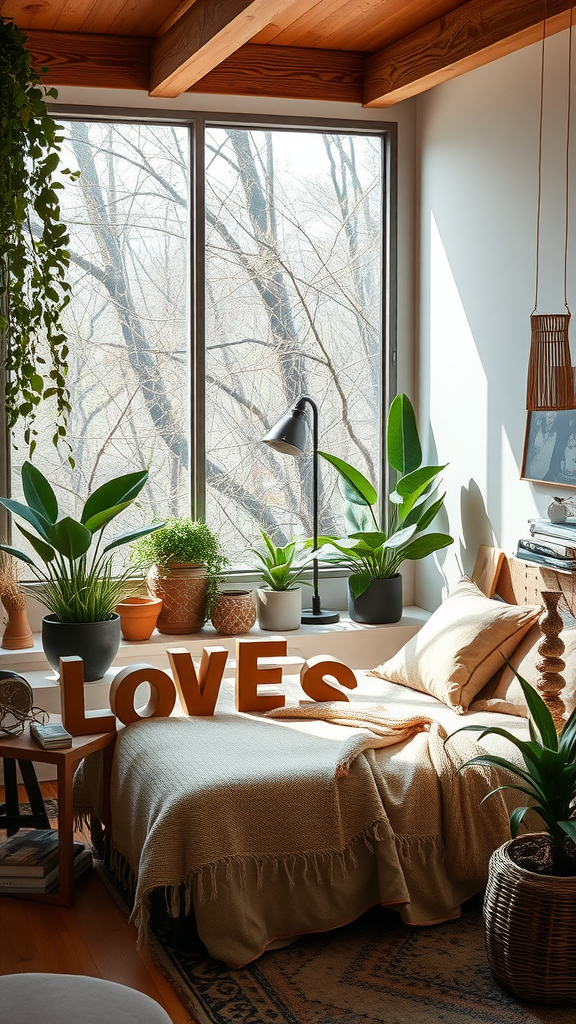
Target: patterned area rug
{"points": [[374, 971], [50, 805]]}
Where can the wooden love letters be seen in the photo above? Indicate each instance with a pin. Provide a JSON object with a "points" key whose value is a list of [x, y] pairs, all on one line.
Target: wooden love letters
{"points": [[197, 689]]}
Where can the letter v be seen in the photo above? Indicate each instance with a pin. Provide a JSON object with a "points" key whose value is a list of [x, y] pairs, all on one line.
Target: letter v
{"points": [[198, 694]]}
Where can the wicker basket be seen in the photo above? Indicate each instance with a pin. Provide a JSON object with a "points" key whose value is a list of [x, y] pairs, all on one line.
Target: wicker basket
{"points": [[529, 922], [182, 588]]}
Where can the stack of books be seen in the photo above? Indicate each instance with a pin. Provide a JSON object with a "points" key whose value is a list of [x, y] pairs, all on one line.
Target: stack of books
{"points": [[29, 861], [550, 544], [52, 736]]}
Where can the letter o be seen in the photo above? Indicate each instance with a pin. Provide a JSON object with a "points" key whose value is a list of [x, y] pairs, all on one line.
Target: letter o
{"points": [[123, 691]]}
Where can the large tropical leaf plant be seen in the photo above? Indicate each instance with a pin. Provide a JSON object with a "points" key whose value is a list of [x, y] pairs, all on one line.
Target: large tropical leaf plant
{"points": [[378, 542], [547, 778], [76, 577]]}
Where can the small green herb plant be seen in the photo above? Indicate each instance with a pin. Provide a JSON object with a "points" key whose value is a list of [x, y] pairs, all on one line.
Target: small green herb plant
{"points": [[182, 539], [276, 564], [374, 548], [77, 581], [548, 777], [34, 255]]}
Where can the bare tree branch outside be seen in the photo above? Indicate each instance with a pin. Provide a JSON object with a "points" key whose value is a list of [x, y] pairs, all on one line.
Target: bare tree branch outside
{"points": [[293, 306]]}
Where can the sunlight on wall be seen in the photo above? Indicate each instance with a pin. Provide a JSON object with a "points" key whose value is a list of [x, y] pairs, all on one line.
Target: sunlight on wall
{"points": [[515, 494], [458, 396]]}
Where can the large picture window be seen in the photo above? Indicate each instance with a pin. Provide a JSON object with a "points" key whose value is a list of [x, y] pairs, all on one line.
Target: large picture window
{"points": [[220, 271]]}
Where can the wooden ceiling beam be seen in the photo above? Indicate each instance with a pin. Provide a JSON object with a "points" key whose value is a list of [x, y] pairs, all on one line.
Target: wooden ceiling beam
{"points": [[474, 34], [203, 37], [296, 73], [122, 62], [89, 59]]}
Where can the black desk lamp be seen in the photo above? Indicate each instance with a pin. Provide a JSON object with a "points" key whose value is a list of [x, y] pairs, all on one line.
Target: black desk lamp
{"points": [[289, 435]]}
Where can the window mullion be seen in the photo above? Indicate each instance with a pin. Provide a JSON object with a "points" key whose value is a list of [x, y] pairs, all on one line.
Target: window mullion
{"points": [[197, 320]]}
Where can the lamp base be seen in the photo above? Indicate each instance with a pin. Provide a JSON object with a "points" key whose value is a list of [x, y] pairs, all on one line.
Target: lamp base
{"points": [[319, 618]]}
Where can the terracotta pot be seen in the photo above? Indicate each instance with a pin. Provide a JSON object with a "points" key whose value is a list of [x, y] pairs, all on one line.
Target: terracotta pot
{"points": [[182, 588], [234, 612], [17, 634], [138, 616], [279, 610]]}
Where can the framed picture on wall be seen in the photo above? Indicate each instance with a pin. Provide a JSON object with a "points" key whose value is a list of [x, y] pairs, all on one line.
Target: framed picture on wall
{"points": [[550, 448]]}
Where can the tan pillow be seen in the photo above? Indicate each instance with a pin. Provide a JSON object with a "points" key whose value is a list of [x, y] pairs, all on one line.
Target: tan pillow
{"points": [[505, 687], [459, 648]]}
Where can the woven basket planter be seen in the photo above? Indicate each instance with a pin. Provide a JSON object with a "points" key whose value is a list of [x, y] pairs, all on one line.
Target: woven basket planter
{"points": [[182, 588], [529, 922], [234, 612]]}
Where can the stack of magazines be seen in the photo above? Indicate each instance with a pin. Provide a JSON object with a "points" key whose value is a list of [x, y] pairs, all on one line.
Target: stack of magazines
{"points": [[550, 544], [29, 861]]}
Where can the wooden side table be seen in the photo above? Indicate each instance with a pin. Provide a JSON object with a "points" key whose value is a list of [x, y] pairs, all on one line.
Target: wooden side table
{"points": [[23, 748]]}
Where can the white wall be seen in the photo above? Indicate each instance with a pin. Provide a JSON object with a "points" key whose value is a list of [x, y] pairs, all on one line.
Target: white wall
{"points": [[477, 145], [404, 114]]}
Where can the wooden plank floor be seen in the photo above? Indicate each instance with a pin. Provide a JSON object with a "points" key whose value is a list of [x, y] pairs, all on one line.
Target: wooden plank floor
{"points": [[93, 937]]}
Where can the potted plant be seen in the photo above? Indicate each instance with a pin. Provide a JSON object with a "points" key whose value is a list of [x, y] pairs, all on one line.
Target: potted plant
{"points": [[76, 581], [530, 901], [186, 561], [279, 601], [377, 543]]}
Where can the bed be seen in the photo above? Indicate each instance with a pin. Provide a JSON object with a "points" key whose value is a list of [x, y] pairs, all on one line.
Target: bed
{"points": [[267, 827]]}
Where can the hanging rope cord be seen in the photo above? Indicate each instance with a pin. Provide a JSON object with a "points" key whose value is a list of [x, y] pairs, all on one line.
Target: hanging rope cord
{"points": [[567, 162]]}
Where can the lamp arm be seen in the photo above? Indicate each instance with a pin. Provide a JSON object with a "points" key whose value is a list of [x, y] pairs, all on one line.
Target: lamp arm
{"points": [[300, 405]]}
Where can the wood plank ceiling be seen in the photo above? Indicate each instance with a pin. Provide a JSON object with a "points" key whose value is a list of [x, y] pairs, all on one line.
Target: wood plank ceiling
{"points": [[374, 52]]}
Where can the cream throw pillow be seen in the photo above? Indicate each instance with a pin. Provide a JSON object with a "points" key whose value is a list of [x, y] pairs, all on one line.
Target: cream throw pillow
{"points": [[460, 646], [505, 693]]}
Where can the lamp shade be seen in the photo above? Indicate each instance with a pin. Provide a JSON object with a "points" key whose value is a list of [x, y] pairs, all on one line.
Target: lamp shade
{"points": [[550, 375], [288, 435]]}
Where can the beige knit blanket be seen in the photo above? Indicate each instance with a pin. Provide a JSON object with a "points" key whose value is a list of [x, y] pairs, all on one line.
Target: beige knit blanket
{"points": [[428, 788], [195, 797]]}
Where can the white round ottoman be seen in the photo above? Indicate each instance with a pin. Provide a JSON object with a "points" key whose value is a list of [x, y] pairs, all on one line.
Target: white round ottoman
{"points": [[59, 998]]}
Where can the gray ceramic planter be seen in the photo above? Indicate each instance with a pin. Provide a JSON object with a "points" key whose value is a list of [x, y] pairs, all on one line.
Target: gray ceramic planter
{"points": [[381, 603], [95, 642]]}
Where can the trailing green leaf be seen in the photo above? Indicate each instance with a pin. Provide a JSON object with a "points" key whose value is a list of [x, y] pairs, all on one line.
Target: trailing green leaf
{"points": [[33, 243]]}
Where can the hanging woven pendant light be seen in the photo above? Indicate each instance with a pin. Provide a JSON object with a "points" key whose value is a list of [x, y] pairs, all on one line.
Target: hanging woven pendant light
{"points": [[550, 383]]}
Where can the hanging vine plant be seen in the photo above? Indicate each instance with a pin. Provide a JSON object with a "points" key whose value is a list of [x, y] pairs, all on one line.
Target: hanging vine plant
{"points": [[33, 245]]}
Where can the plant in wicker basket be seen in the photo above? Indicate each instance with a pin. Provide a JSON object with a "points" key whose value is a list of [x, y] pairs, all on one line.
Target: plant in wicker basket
{"points": [[186, 561], [530, 902]]}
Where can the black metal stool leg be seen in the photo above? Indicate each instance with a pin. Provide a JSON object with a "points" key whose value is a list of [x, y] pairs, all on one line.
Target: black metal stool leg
{"points": [[11, 809], [34, 792], [10, 817]]}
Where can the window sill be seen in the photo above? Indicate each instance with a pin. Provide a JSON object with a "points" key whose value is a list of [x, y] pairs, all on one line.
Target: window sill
{"points": [[359, 646]]}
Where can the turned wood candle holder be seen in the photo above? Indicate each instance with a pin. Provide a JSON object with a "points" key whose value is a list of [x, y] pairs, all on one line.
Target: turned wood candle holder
{"points": [[550, 682]]}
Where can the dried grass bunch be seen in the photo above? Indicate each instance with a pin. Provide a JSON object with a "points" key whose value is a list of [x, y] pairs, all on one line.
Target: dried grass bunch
{"points": [[11, 594]]}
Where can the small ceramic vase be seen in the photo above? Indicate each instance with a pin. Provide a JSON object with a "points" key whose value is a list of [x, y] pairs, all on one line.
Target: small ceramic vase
{"points": [[138, 616], [557, 511], [234, 612]]}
